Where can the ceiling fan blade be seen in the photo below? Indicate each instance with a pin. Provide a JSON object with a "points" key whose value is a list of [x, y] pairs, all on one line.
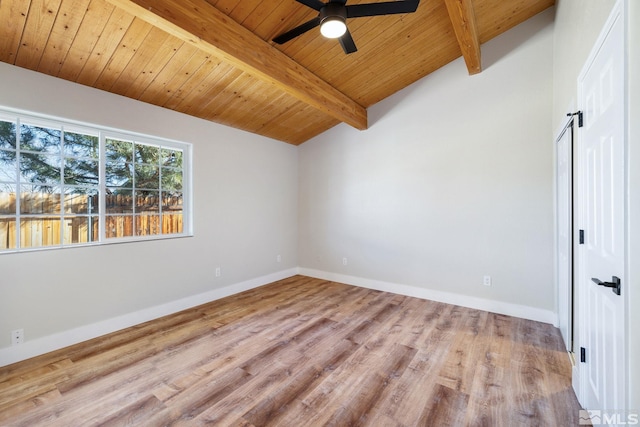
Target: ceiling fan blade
{"points": [[300, 29], [382, 8], [313, 4], [347, 43]]}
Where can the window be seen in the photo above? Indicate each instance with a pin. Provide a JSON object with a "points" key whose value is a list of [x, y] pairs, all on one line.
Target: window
{"points": [[62, 185]]}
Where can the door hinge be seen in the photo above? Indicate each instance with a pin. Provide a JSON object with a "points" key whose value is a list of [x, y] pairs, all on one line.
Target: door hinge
{"points": [[581, 237], [580, 117], [583, 354]]}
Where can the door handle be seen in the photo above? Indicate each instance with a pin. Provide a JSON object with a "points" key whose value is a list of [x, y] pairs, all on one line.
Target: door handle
{"points": [[614, 284]]}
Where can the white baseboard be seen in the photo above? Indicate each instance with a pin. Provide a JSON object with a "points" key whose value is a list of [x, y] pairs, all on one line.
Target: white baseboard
{"points": [[500, 307], [63, 339]]}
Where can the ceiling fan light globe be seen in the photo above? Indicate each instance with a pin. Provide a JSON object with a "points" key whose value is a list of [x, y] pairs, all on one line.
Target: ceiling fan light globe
{"points": [[332, 28]]}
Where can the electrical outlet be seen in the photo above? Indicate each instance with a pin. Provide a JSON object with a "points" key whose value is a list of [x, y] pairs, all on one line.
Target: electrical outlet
{"points": [[218, 272], [344, 261], [278, 258], [17, 336], [486, 280]]}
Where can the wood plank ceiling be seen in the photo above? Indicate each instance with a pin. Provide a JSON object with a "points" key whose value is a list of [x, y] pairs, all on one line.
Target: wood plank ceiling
{"points": [[214, 59]]}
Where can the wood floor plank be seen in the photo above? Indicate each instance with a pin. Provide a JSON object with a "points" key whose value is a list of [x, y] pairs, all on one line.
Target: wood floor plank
{"points": [[265, 368], [137, 413], [329, 353], [303, 352], [186, 406], [280, 364], [273, 366], [358, 410], [368, 367], [275, 407], [227, 351], [16, 408], [445, 407], [33, 382], [409, 396], [93, 402], [458, 369]]}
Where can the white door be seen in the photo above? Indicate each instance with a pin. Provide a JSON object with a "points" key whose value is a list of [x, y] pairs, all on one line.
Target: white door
{"points": [[601, 146], [564, 203]]}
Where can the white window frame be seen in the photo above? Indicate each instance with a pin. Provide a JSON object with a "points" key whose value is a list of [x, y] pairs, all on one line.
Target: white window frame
{"points": [[19, 117]]}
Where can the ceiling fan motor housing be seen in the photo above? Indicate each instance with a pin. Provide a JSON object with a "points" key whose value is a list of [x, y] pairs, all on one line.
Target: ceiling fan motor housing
{"points": [[333, 10]]}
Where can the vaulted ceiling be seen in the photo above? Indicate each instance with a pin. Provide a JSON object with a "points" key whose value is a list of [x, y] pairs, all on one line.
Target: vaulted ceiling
{"points": [[214, 59]]}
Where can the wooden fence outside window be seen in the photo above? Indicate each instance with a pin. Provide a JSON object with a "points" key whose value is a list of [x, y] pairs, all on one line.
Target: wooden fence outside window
{"points": [[41, 222]]}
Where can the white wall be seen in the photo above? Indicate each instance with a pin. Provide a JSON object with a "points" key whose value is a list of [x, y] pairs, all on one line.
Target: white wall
{"points": [[452, 181], [578, 24], [245, 203]]}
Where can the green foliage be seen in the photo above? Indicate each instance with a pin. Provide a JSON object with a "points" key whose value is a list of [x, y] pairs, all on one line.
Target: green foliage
{"points": [[42, 165], [46, 164], [7, 135], [146, 167], [7, 155]]}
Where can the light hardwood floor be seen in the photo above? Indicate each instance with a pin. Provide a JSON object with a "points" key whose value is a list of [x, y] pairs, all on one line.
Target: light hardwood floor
{"points": [[303, 352]]}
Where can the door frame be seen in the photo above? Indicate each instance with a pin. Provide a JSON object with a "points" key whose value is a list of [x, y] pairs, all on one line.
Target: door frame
{"points": [[566, 313]]}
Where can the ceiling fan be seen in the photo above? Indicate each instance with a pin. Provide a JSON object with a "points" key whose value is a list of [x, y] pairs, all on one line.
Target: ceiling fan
{"points": [[332, 18]]}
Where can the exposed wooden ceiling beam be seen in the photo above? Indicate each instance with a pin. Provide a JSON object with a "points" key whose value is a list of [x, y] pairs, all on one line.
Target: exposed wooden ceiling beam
{"points": [[199, 23], [463, 19]]}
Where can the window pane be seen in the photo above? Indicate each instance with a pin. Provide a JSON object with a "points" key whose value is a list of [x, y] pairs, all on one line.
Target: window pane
{"points": [[38, 232], [7, 199], [35, 138], [119, 226], [171, 213], [81, 172], [147, 201], [8, 170], [79, 145], [172, 157], [119, 175], [147, 154], [118, 151], [7, 233], [39, 168], [78, 200], [80, 229], [119, 201], [171, 223], [172, 201], [147, 176], [147, 225], [171, 179], [7, 134], [37, 199]]}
